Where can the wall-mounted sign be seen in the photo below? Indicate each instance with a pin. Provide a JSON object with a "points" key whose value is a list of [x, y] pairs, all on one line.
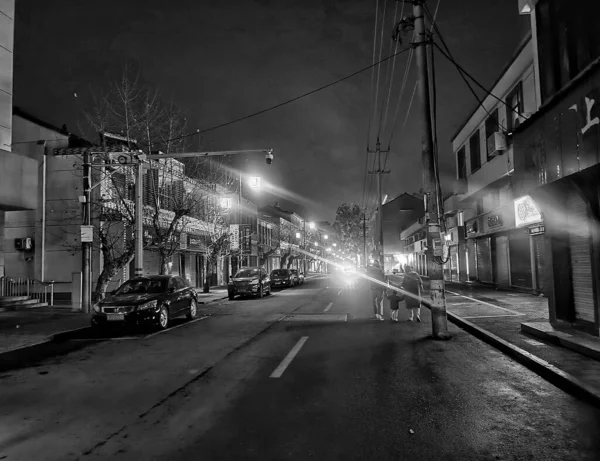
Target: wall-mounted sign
{"points": [[494, 220], [526, 212], [87, 234], [537, 230], [183, 241]]}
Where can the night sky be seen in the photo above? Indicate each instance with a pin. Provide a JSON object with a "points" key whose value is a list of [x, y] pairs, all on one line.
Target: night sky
{"points": [[221, 60]]}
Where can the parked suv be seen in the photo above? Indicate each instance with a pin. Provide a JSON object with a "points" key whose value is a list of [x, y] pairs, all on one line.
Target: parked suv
{"points": [[298, 276], [282, 278], [252, 281]]}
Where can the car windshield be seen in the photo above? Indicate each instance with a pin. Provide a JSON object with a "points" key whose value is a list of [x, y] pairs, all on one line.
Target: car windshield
{"points": [[141, 286], [247, 273], [280, 272]]}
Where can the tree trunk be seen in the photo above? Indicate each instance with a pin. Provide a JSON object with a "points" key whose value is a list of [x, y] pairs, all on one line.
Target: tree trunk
{"points": [[283, 260], [164, 264], [103, 281], [208, 278]]}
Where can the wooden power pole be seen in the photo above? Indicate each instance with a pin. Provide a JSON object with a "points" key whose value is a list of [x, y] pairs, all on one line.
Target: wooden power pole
{"points": [[379, 172]]}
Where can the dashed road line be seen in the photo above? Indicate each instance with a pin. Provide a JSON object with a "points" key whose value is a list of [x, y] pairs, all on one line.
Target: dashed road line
{"points": [[328, 307], [288, 358]]}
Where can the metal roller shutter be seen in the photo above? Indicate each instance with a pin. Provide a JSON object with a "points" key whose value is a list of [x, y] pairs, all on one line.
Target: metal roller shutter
{"points": [[520, 258], [581, 262], [540, 262], [501, 262], [484, 260], [454, 269]]}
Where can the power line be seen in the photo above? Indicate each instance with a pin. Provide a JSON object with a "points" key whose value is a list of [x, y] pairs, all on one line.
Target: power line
{"points": [[379, 68], [289, 101]]}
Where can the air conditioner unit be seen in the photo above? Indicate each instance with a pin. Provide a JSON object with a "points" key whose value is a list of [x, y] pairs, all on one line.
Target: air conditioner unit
{"points": [[24, 244], [496, 143]]}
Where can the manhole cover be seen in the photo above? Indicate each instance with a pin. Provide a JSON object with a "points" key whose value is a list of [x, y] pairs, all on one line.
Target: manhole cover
{"points": [[315, 318]]}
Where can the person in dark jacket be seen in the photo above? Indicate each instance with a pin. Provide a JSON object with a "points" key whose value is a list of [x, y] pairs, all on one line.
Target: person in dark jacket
{"points": [[413, 286], [377, 289]]}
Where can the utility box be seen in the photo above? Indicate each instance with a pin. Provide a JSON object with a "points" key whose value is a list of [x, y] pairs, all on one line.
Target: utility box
{"points": [[24, 244]]}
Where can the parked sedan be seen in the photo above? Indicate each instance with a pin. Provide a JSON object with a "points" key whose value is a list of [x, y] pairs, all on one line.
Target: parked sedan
{"points": [[282, 278], [298, 276], [154, 299], [253, 281]]}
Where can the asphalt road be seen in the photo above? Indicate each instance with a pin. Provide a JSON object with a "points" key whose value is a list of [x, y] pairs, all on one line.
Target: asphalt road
{"points": [[357, 389]]}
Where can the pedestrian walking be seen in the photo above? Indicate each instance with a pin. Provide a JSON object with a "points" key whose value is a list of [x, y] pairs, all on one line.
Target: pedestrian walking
{"points": [[394, 297], [375, 271], [413, 286]]}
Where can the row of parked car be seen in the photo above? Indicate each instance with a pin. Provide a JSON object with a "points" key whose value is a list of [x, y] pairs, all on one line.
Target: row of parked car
{"points": [[157, 299], [256, 281]]}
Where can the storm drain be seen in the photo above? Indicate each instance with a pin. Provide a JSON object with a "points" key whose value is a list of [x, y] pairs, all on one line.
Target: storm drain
{"points": [[315, 318]]}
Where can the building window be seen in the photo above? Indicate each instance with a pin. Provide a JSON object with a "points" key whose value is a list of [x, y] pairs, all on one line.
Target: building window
{"points": [[475, 148], [514, 107], [461, 163], [491, 127], [567, 41]]}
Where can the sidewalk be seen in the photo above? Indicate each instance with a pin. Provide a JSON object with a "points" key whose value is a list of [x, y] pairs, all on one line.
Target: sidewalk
{"points": [[509, 320]]}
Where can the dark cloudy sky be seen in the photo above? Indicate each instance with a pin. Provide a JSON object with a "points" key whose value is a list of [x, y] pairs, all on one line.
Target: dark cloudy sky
{"points": [[222, 60]]}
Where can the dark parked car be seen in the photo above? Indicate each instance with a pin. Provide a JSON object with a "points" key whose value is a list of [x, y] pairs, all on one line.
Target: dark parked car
{"points": [[253, 281], [298, 276], [154, 299], [282, 278]]}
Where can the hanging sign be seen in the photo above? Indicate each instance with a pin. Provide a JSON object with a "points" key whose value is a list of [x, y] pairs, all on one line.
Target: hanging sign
{"points": [[526, 212], [87, 234]]}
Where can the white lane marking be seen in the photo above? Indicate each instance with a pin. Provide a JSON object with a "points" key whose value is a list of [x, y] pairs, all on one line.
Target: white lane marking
{"points": [[288, 358], [177, 326], [339, 292], [489, 316], [328, 307], [483, 302]]}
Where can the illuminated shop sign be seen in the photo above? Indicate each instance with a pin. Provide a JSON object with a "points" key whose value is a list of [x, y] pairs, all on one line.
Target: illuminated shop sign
{"points": [[526, 212]]}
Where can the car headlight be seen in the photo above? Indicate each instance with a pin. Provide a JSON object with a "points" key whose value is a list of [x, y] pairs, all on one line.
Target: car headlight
{"points": [[148, 305], [254, 282], [97, 308]]}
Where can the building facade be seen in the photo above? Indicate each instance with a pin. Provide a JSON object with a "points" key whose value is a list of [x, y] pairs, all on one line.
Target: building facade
{"points": [[557, 155], [487, 243], [414, 239], [19, 184]]}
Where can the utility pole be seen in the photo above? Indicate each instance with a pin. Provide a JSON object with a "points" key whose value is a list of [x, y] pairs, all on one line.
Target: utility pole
{"points": [[365, 237], [379, 172], [86, 246], [439, 321]]}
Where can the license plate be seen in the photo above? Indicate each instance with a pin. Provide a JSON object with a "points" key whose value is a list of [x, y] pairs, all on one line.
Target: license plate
{"points": [[113, 317]]}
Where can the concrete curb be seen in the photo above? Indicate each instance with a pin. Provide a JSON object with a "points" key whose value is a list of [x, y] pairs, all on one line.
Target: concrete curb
{"points": [[213, 300], [546, 370]]}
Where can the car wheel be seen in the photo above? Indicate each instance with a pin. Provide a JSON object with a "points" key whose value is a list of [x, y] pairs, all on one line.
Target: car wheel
{"points": [[231, 296], [163, 318], [193, 310]]}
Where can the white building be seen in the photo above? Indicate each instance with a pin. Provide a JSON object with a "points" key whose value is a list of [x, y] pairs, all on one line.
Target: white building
{"points": [[485, 244]]}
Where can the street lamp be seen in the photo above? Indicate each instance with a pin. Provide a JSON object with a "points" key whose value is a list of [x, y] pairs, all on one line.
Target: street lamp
{"points": [[326, 237]]}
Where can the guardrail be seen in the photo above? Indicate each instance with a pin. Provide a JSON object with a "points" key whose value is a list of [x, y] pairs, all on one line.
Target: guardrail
{"points": [[24, 286]]}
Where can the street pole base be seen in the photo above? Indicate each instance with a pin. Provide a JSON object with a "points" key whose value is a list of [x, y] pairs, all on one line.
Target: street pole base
{"points": [[442, 336]]}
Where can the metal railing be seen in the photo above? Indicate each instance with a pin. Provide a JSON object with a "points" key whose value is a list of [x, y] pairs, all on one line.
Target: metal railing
{"points": [[43, 292]]}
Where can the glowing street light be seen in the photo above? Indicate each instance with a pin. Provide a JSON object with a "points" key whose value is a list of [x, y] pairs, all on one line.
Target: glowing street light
{"points": [[297, 235], [335, 244], [326, 237], [255, 182], [311, 225], [226, 203]]}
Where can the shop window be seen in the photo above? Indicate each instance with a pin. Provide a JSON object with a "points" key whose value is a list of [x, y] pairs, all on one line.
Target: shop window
{"points": [[475, 154]]}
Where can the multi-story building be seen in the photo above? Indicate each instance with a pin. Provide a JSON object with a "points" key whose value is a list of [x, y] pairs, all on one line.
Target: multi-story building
{"points": [[19, 173], [397, 214], [290, 236], [557, 157], [414, 245], [486, 243]]}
